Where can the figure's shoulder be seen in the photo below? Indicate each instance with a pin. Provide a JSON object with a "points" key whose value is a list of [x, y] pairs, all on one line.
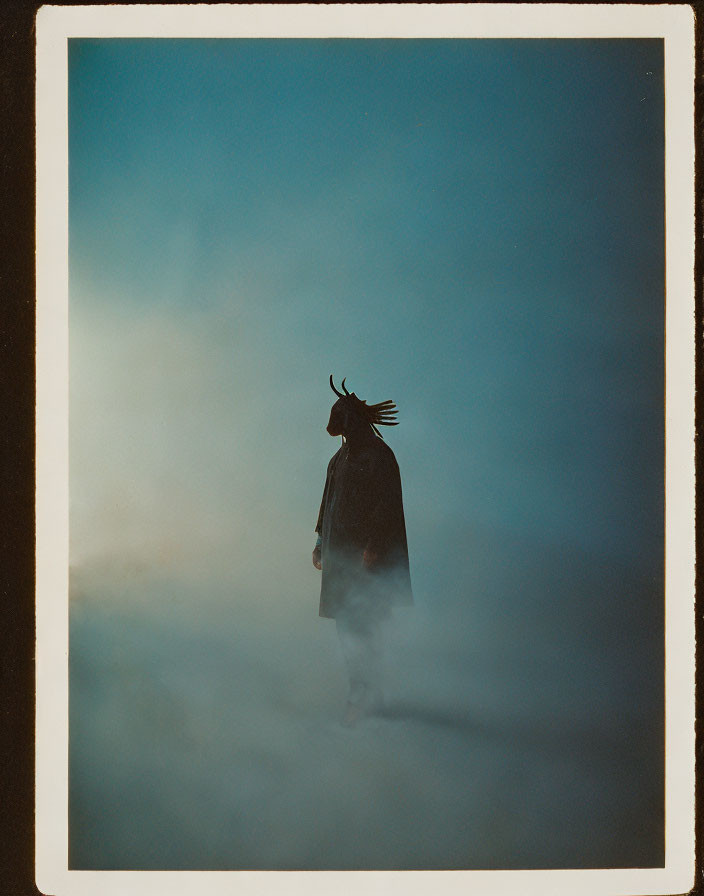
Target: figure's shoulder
{"points": [[333, 459], [383, 454]]}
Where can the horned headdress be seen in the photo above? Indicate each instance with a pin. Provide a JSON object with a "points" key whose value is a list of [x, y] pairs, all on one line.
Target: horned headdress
{"points": [[381, 414]]}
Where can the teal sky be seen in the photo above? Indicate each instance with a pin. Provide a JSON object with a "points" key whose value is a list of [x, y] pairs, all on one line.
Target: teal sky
{"points": [[473, 228]]}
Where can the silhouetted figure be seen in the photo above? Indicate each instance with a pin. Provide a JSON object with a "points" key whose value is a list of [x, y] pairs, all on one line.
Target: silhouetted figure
{"points": [[361, 546]]}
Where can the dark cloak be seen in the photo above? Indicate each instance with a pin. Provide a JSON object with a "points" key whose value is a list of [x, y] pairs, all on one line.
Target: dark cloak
{"points": [[362, 509]]}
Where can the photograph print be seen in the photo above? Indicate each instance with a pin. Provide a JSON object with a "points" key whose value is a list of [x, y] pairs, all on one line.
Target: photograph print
{"points": [[366, 446]]}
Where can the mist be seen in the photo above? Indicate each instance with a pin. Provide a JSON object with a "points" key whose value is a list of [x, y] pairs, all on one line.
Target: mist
{"points": [[519, 730], [470, 229]]}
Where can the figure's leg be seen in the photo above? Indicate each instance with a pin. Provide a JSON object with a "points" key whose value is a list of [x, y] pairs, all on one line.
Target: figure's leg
{"points": [[352, 646], [375, 678], [360, 639]]}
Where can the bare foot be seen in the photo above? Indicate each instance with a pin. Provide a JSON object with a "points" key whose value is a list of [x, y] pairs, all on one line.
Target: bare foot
{"points": [[353, 713], [377, 704]]}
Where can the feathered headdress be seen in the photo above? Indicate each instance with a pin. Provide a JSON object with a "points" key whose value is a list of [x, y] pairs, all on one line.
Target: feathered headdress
{"points": [[382, 414]]}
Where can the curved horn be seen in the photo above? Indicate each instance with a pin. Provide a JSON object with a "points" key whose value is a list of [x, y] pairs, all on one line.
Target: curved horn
{"points": [[332, 386], [344, 387]]}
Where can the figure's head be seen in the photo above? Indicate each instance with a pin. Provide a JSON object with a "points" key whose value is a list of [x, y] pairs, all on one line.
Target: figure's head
{"points": [[349, 413]]}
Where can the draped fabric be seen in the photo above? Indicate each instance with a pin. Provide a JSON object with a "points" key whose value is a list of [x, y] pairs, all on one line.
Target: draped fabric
{"points": [[362, 509]]}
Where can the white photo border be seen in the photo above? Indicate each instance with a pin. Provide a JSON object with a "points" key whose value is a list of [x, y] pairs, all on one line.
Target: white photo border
{"points": [[55, 25]]}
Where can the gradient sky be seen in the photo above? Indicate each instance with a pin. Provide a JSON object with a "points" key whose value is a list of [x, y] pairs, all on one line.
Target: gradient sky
{"points": [[474, 229]]}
